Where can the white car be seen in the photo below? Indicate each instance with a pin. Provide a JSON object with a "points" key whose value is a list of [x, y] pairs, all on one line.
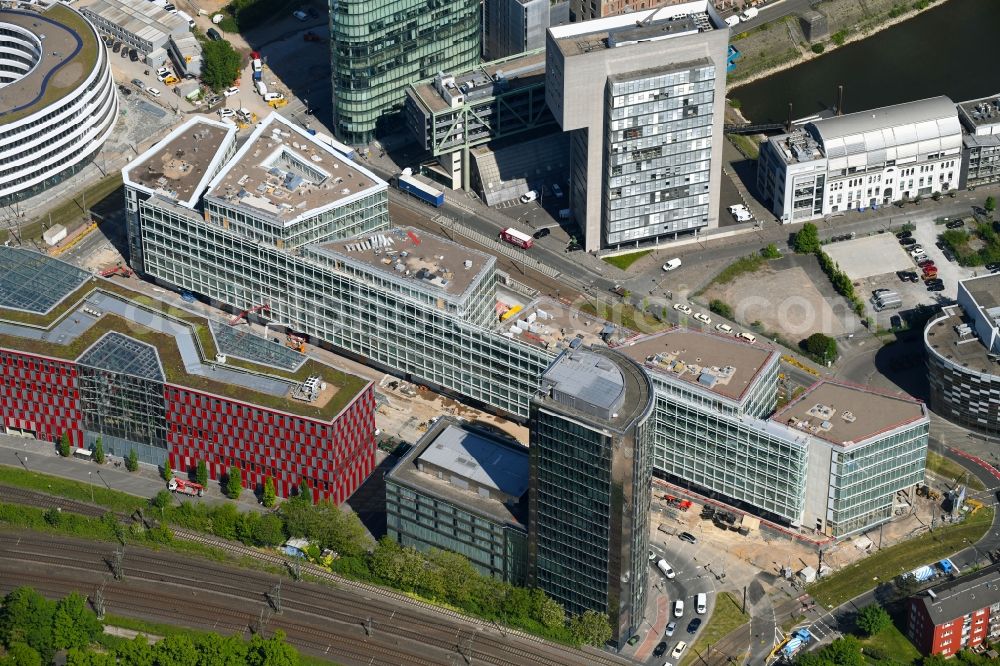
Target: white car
{"points": [[226, 113], [556, 190], [678, 608], [724, 328], [672, 264], [916, 251], [702, 317], [300, 15], [529, 196], [678, 649], [270, 97], [152, 92], [665, 569], [680, 307], [229, 92], [162, 72], [733, 21]]}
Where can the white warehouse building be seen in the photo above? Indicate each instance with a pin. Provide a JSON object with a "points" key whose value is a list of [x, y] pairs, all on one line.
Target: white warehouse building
{"points": [[57, 104], [862, 160]]}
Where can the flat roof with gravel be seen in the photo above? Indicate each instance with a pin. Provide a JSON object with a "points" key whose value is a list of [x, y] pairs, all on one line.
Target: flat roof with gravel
{"points": [[845, 415], [717, 363]]}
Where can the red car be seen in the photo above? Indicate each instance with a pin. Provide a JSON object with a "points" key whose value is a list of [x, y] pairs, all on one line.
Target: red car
{"points": [[925, 263], [254, 55]]}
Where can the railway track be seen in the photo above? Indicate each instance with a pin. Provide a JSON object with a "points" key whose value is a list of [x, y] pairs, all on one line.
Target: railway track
{"points": [[356, 603]]}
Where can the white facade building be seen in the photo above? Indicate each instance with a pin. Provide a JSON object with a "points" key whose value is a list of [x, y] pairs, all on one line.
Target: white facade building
{"points": [[862, 160], [57, 104]]}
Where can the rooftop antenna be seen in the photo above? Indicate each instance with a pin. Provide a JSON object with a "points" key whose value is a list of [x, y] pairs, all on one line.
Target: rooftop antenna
{"points": [[788, 125], [840, 100]]}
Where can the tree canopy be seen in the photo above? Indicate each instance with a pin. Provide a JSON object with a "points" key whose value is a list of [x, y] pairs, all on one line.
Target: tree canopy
{"points": [[807, 239], [220, 64], [872, 619]]}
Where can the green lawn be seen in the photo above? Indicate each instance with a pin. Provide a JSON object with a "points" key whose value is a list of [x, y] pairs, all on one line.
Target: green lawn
{"points": [[892, 642], [726, 617], [625, 315], [746, 145], [952, 470], [888, 563], [623, 261], [75, 490]]}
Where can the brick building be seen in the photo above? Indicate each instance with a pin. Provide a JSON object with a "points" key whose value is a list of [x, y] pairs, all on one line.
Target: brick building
{"points": [[87, 360], [956, 615]]}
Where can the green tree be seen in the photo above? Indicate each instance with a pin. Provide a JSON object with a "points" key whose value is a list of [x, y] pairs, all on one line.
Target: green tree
{"points": [[99, 452], [326, 525], [396, 565], [219, 650], [268, 531], [272, 651], [304, 493], [78, 657], [21, 654], [53, 516], [934, 660], [64, 447], [547, 610], [175, 650], [73, 624], [201, 473], [821, 346], [872, 619], [162, 499], [234, 483], [132, 462], [990, 204], [268, 496], [136, 652], [807, 239], [168, 471], [721, 308], [26, 617], [590, 628], [220, 64], [458, 576]]}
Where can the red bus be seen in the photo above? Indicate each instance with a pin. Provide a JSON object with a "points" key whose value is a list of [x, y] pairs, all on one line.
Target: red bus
{"points": [[515, 237]]}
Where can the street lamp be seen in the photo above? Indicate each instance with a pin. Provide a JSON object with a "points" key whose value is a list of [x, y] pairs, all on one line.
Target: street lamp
{"points": [[90, 480]]}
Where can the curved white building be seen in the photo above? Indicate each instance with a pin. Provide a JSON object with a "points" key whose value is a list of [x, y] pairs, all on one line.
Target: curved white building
{"points": [[57, 98]]}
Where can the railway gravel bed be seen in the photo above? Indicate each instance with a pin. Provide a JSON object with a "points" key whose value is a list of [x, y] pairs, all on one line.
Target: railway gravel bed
{"points": [[412, 633]]}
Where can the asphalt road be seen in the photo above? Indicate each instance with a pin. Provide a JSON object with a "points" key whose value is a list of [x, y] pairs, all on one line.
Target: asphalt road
{"points": [[334, 622]]}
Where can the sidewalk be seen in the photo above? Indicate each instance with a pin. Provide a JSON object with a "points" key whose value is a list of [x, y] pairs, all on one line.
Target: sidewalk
{"points": [[41, 457]]}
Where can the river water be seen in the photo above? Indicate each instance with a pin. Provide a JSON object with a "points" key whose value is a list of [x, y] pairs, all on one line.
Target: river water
{"points": [[951, 50]]}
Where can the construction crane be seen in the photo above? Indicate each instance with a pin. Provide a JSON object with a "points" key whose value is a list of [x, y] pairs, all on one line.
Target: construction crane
{"points": [[257, 308], [116, 270]]}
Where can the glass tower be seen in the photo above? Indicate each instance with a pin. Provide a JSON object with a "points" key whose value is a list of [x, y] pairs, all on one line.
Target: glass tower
{"points": [[381, 46], [590, 473]]}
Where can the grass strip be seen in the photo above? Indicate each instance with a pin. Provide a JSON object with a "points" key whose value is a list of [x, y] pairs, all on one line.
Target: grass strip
{"points": [[950, 469], [886, 564], [623, 261], [726, 618]]}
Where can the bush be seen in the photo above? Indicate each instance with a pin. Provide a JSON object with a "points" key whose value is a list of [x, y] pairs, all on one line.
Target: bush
{"points": [[839, 37], [228, 24], [132, 461], [721, 308], [201, 473], [818, 48], [168, 472], [268, 495], [64, 447], [99, 456], [990, 204], [807, 239], [771, 252], [234, 483], [822, 347]]}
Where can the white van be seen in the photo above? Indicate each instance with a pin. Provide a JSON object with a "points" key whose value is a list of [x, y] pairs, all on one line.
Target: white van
{"points": [[749, 337], [678, 608], [261, 88], [749, 13], [733, 21], [701, 603], [665, 568]]}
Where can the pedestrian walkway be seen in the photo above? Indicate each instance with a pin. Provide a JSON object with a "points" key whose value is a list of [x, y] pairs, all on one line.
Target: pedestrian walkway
{"points": [[42, 457]]}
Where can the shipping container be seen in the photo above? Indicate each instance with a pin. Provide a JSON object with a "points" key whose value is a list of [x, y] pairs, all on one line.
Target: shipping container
{"points": [[406, 182]]}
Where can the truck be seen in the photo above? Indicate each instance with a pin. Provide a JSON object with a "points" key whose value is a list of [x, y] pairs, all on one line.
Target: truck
{"points": [[518, 238], [176, 485], [749, 13], [406, 182], [341, 148], [261, 88]]}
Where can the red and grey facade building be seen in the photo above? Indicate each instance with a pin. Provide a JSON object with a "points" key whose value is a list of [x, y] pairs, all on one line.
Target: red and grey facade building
{"points": [[957, 615], [117, 390]]}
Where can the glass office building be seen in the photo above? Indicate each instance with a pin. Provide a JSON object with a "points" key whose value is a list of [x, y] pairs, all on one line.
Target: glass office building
{"points": [[382, 46], [464, 490], [591, 468]]}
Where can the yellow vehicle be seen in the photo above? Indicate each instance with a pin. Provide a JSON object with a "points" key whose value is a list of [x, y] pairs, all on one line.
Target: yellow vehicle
{"points": [[170, 80], [277, 103], [974, 505]]}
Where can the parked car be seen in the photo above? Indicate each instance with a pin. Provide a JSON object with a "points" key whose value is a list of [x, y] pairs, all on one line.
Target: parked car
{"points": [[153, 92], [907, 276], [672, 626], [672, 264], [633, 640], [955, 224], [724, 328], [925, 263], [541, 233], [133, 55], [557, 191], [660, 649], [678, 649], [688, 537], [213, 34], [300, 15], [905, 242], [138, 83], [117, 47], [273, 96], [876, 292], [702, 317], [916, 250], [936, 287], [529, 196], [904, 234], [693, 625], [229, 92], [993, 266], [680, 307], [226, 113]]}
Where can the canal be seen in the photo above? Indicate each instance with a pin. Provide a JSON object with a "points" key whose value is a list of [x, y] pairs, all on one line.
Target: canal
{"points": [[949, 50]]}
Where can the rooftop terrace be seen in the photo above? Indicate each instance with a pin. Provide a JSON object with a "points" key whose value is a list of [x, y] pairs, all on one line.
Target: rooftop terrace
{"points": [[182, 340], [68, 58], [716, 363], [475, 455], [181, 165], [432, 262], [846, 415], [665, 22], [284, 174]]}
